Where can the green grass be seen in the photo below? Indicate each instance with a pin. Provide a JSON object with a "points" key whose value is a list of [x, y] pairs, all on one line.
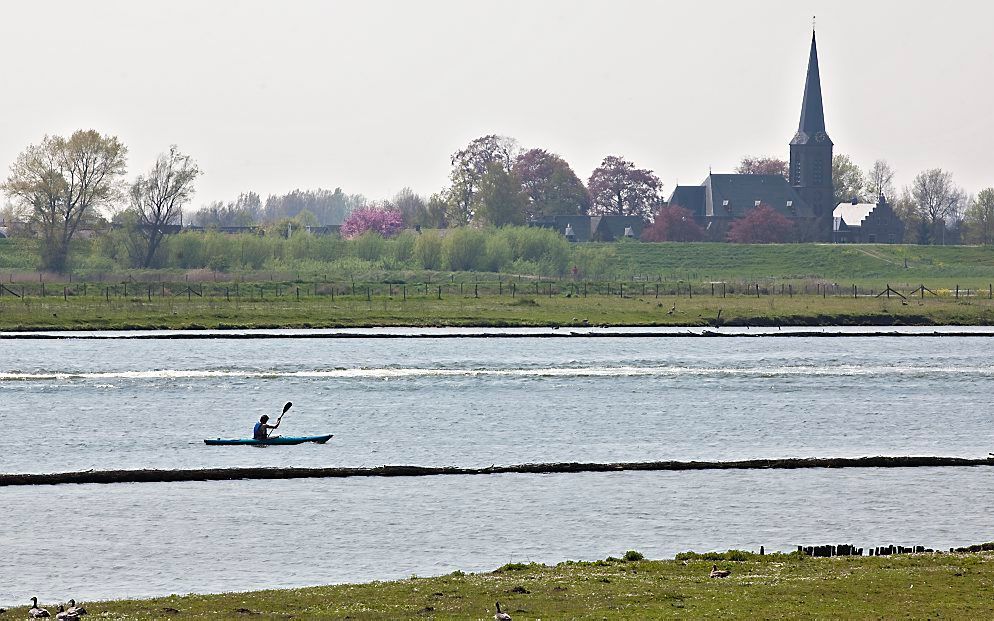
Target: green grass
{"points": [[95, 312], [946, 586]]}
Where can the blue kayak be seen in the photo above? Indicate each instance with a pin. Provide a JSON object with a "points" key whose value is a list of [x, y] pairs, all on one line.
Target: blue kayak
{"points": [[276, 441]]}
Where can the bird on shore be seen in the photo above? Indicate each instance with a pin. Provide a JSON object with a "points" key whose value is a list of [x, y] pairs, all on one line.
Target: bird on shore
{"points": [[672, 310], [35, 612], [501, 616], [73, 608], [719, 573], [63, 615]]}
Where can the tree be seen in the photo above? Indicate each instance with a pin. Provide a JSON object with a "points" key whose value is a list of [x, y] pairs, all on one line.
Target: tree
{"points": [[879, 180], [762, 225], [62, 180], [618, 188], [499, 199], [935, 199], [329, 207], [158, 199], [469, 165], [411, 205], [385, 220], [673, 223], [980, 218], [246, 210], [763, 166], [550, 185], [847, 179]]}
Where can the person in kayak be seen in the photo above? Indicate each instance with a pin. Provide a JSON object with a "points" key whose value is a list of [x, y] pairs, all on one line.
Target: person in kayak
{"points": [[263, 428]]}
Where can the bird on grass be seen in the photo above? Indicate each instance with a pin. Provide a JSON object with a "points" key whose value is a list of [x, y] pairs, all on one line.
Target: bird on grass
{"points": [[79, 610], [672, 310], [63, 615], [35, 612], [501, 616], [719, 573]]}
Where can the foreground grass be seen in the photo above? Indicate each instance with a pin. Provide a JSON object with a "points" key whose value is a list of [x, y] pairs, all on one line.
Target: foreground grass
{"points": [[953, 586], [97, 313]]}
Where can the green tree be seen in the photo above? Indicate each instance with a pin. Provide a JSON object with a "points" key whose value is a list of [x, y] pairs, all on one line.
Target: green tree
{"points": [[469, 166], [158, 198], [879, 180], [499, 200], [847, 179], [980, 218], [63, 180], [936, 199]]}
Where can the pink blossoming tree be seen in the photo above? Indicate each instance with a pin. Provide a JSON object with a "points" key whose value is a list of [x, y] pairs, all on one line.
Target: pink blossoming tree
{"points": [[386, 221]]}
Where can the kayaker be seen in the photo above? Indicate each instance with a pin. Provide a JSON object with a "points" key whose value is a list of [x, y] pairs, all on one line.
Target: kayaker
{"points": [[263, 429]]}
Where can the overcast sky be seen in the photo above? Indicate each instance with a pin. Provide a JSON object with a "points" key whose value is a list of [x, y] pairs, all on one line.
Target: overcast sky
{"points": [[375, 95]]}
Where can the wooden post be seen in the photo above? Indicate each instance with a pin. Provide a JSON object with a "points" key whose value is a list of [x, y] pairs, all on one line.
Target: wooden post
{"points": [[150, 292], [65, 294], [621, 291], [657, 290], [298, 294], [405, 293], [790, 291], [854, 291], [500, 287], [512, 289], [957, 291], [476, 290], [369, 295], [757, 289], [226, 296], [439, 292]]}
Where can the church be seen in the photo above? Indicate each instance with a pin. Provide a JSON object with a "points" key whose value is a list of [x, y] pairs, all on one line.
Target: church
{"points": [[807, 198]]}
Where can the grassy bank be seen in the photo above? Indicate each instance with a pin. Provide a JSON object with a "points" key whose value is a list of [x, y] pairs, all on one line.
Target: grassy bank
{"points": [[216, 310], [955, 586]]}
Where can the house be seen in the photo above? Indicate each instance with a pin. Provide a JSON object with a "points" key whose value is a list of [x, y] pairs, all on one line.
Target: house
{"points": [[583, 228], [866, 223]]}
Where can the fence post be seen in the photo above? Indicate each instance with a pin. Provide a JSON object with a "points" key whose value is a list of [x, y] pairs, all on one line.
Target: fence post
{"points": [[854, 291], [757, 289], [298, 294], [440, 292]]}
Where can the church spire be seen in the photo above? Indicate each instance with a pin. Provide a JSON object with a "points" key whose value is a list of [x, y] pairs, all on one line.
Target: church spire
{"points": [[812, 125]]}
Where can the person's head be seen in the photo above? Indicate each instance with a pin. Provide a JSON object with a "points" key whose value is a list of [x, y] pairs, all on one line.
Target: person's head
{"points": [[264, 419]]}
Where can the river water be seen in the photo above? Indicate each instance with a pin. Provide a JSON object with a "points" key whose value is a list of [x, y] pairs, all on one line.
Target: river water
{"points": [[77, 404]]}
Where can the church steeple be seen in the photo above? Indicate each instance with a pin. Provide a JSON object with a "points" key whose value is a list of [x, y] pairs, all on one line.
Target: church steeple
{"points": [[812, 125], [811, 150]]}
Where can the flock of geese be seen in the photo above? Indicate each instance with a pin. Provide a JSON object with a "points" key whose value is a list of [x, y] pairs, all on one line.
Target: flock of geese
{"points": [[73, 613]]}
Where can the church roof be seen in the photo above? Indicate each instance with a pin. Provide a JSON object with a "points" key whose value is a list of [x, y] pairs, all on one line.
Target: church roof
{"points": [[812, 125], [690, 197], [734, 195]]}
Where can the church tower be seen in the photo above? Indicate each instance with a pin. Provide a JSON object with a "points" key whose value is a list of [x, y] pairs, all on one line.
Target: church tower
{"points": [[811, 151]]}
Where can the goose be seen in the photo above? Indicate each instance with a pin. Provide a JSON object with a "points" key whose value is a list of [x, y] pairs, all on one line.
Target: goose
{"points": [[62, 615], [35, 612], [719, 573], [79, 610], [501, 616]]}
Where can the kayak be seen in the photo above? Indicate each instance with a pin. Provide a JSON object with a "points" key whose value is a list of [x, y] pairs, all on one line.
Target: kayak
{"points": [[267, 442]]}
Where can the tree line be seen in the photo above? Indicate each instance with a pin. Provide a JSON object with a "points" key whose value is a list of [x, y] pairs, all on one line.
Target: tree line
{"points": [[61, 185]]}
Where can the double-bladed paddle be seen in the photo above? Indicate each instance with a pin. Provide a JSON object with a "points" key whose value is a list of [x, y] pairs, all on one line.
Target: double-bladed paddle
{"points": [[285, 408]]}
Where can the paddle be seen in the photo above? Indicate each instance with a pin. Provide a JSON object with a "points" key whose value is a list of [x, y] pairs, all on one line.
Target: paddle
{"points": [[285, 408]]}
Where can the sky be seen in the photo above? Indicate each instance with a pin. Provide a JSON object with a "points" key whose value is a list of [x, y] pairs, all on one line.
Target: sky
{"points": [[375, 95]]}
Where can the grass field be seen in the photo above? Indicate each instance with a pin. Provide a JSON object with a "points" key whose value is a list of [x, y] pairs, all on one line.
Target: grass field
{"points": [[214, 310], [936, 586]]}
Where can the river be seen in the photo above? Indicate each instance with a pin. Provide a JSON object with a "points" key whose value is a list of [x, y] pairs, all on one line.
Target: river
{"points": [[103, 403]]}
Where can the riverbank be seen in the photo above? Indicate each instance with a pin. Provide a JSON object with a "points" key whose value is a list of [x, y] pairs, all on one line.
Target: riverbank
{"points": [[393, 308], [946, 585]]}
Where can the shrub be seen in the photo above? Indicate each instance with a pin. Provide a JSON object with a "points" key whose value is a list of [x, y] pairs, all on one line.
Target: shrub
{"points": [[428, 250], [673, 224], [762, 225], [402, 247], [369, 246], [462, 249], [633, 555]]}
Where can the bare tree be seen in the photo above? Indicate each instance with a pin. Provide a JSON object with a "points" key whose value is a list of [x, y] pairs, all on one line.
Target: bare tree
{"points": [[936, 198], [880, 179], [62, 180], [751, 165], [158, 199]]}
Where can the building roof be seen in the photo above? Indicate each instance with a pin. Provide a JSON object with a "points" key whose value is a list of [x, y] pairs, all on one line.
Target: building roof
{"points": [[690, 197], [812, 125], [609, 228], [853, 214], [743, 191]]}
